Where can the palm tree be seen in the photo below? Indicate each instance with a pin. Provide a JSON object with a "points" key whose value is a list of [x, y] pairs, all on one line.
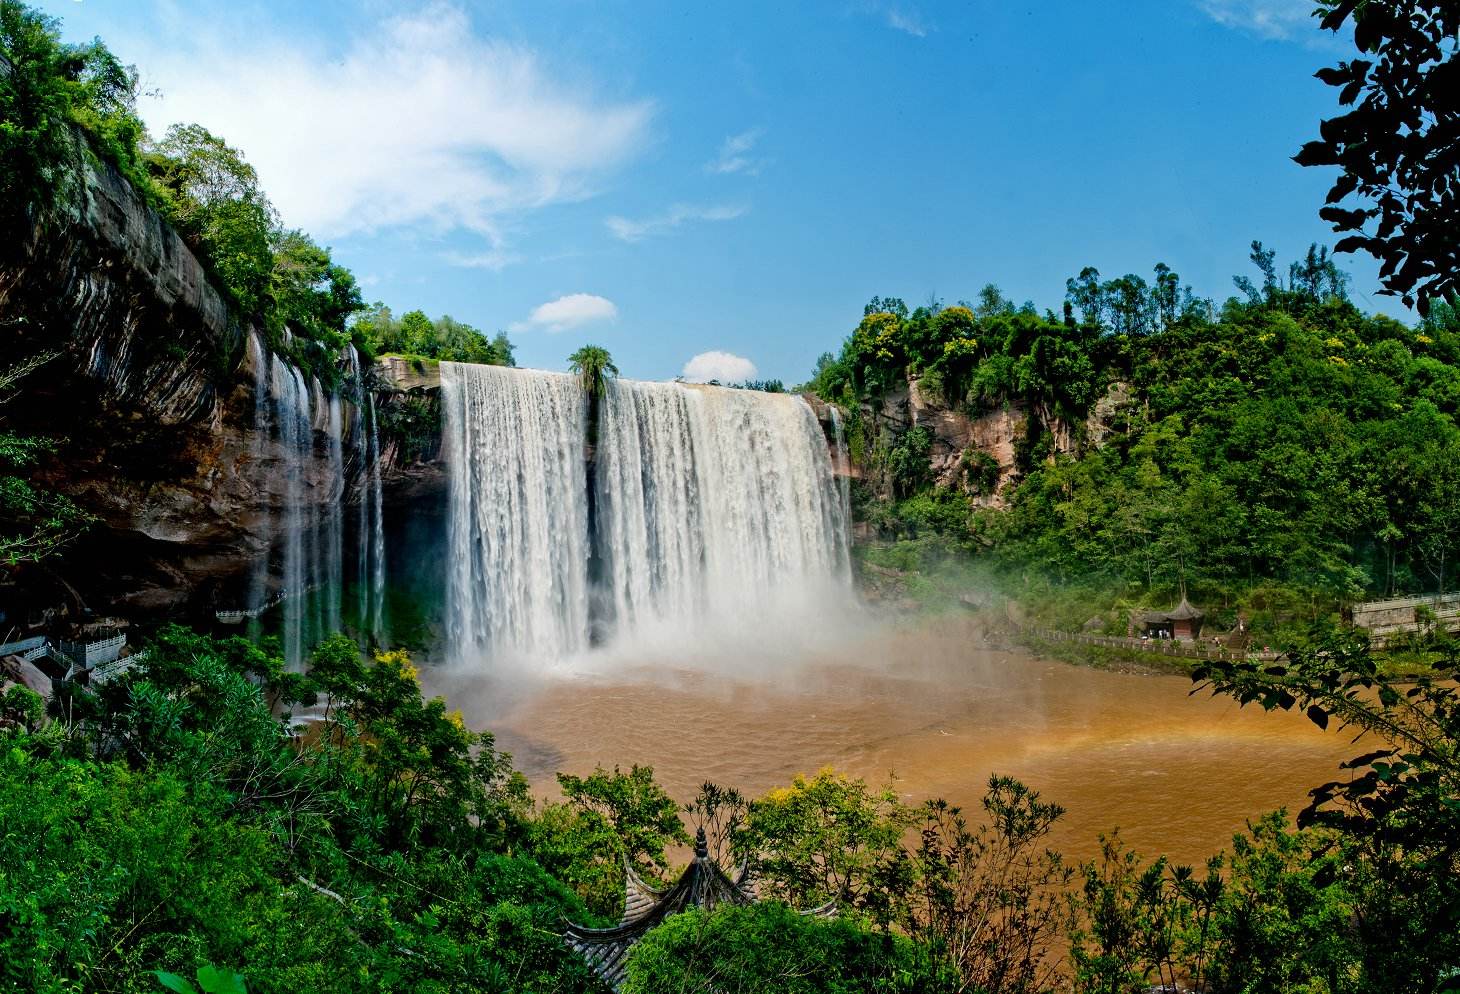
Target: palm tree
{"points": [[594, 366]]}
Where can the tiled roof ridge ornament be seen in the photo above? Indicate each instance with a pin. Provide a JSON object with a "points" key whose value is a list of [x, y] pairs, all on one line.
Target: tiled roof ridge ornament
{"points": [[702, 885]]}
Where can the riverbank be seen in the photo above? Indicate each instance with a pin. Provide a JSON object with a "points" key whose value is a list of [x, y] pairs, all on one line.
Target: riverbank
{"points": [[1088, 626]]}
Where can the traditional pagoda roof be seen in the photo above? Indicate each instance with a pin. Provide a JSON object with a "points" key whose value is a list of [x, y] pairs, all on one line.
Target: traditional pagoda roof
{"points": [[702, 885], [1181, 612]]}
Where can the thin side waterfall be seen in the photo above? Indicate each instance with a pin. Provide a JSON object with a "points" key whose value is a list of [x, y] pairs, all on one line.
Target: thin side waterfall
{"points": [[370, 526], [377, 530], [517, 578], [316, 526], [334, 531], [843, 461], [716, 506], [258, 588]]}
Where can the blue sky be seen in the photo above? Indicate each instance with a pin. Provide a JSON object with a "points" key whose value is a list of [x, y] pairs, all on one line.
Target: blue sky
{"points": [[672, 179]]}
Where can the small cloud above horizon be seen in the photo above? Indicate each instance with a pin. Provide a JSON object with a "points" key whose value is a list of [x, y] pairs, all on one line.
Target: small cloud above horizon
{"points": [[722, 367], [735, 155], [495, 259], [1278, 20], [904, 17], [573, 310], [629, 230]]}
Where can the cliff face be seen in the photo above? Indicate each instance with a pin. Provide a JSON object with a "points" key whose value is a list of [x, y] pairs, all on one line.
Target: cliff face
{"points": [[153, 396], [978, 453]]}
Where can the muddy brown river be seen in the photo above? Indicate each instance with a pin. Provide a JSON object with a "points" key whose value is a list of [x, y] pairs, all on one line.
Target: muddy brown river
{"points": [[937, 708]]}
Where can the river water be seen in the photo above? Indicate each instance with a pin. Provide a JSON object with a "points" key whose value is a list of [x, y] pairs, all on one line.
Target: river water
{"points": [[936, 707]]}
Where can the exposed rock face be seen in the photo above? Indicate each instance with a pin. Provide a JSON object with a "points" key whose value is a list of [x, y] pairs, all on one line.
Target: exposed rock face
{"points": [[153, 396], [959, 438]]}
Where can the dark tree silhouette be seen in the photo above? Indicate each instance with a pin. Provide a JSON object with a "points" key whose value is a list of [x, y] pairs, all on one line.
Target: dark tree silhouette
{"points": [[1399, 145]]}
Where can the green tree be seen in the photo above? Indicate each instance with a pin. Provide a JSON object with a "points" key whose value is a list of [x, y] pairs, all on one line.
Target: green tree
{"points": [[48, 90], [593, 366], [830, 838], [769, 947], [213, 197]]}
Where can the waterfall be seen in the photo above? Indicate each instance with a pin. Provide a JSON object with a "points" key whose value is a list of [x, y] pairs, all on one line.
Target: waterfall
{"points": [[518, 534], [258, 592], [713, 509], [334, 532], [370, 530], [715, 506]]}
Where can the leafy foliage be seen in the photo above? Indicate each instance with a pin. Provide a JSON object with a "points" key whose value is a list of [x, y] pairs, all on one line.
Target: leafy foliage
{"points": [[48, 90], [769, 947], [593, 365], [608, 820], [34, 521], [1396, 146], [1282, 441], [416, 335], [174, 823]]}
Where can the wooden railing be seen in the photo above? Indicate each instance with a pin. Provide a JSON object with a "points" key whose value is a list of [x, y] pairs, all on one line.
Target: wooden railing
{"points": [[1194, 649]]}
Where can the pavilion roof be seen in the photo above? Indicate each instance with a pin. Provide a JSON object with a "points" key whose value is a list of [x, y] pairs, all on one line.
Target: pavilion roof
{"points": [[702, 885]]}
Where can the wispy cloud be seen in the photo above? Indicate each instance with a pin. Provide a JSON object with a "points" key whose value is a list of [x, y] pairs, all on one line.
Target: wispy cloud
{"points": [[723, 367], [1276, 19], [494, 259], [735, 155], [418, 121], [900, 16], [907, 20], [630, 230], [571, 311]]}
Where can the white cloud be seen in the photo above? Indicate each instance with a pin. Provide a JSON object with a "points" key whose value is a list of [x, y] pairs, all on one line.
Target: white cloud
{"points": [[1265, 18], [632, 231], [725, 367], [417, 121], [494, 259], [571, 311], [735, 155], [907, 20]]}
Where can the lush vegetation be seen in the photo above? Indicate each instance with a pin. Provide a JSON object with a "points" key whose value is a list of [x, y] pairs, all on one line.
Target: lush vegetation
{"points": [[1280, 451], [62, 105], [594, 367], [172, 821], [415, 335]]}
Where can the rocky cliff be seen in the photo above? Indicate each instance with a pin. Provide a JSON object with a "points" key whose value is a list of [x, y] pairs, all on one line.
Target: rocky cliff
{"points": [[980, 453], [152, 394]]}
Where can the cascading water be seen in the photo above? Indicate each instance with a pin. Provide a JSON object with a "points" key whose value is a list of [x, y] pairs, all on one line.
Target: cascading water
{"points": [[294, 421], [258, 582], [843, 460], [334, 530], [377, 530], [715, 506], [713, 509], [518, 533]]}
